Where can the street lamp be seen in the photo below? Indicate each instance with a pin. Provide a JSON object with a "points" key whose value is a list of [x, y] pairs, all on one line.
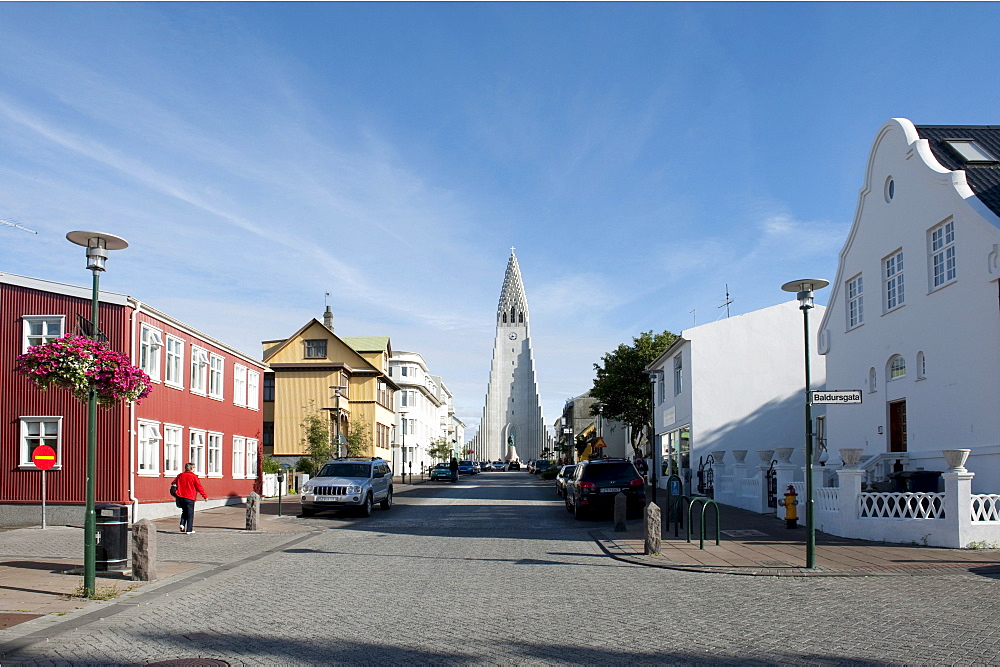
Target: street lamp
{"points": [[654, 450], [97, 244], [803, 290], [337, 389]]}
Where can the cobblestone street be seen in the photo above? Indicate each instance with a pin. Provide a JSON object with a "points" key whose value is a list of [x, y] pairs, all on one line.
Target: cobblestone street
{"points": [[494, 570]]}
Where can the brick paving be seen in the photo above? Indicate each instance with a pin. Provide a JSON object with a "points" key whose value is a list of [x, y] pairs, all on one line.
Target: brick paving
{"points": [[493, 570]]}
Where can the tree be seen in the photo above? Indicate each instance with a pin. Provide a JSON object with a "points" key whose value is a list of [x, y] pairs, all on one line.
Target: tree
{"points": [[621, 387], [359, 441], [315, 441], [440, 449]]}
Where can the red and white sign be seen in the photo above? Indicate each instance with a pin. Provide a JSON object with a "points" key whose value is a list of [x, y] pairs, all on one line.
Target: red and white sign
{"points": [[44, 457]]}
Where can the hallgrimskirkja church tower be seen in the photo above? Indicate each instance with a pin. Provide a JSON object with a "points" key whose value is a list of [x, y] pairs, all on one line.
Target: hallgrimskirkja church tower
{"points": [[512, 424]]}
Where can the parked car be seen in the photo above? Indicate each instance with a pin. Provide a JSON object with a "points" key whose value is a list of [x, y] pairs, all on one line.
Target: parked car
{"points": [[442, 471], [348, 483], [498, 466], [595, 484], [483, 467], [541, 466], [513, 465], [466, 467], [565, 472]]}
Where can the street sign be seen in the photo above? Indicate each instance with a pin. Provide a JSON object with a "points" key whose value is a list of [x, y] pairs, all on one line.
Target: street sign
{"points": [[599, 444], [44, 457], [833, 397]]}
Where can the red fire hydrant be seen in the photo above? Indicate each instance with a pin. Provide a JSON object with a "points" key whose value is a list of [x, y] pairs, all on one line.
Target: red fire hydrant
{"points": [[791, 514]]}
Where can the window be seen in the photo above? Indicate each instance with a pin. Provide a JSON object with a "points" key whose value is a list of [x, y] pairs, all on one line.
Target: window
{"points": [[855, 302], [678, 375], [253, 390], [239, 385], [267, 434], [315, 349], [872, 380], [214, 455], [921, 366], [661, 390], [268, 386], [199, 370], [897, 368], [172, 452], [970, 151], [216, 366], [251, 469], [892, 271], [41, 329], [239, 456], [196, 453], [37, 431], [173, 373], [890, 189], [942, 251], [148, 459], [150, 343], [403, 371]]}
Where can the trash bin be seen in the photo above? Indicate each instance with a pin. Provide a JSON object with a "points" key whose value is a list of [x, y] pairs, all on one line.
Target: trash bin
{"points": [[917, 481], [112, 537]]}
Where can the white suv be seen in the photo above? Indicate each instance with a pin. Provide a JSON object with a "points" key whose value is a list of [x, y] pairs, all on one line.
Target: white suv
{"points": [[349, 483]]}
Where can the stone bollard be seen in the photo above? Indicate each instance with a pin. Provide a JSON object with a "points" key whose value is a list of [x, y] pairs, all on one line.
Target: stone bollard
{"points": [[253, 511], [621, 509], [654, 530], [143, 551]]}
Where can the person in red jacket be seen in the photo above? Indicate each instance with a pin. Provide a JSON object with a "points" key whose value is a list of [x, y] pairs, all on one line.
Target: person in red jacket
{"points": [[188, 488]]}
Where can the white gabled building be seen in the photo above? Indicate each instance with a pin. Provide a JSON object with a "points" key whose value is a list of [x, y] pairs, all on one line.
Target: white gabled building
{"points": [[425, 412], [913, 316], [735, 385]]}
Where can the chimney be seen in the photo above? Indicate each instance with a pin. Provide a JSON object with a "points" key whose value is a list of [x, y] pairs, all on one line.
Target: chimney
{"points": [[328, 319]]}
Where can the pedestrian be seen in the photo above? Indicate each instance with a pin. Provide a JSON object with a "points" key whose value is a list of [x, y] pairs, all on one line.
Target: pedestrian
{"points": [[188, 488], [453, 466]]}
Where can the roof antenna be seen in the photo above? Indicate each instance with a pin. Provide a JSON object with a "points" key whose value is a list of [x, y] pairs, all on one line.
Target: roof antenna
{"points": [[694, 318], [326, 299], [727, 301], [13, 223]]}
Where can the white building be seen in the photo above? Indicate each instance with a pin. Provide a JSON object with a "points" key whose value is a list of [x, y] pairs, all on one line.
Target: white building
{"points": [[424, 412], [913, 316], [737, 384]]}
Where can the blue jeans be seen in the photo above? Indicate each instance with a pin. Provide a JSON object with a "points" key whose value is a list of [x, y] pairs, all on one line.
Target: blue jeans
{"points": [[187, 513]]}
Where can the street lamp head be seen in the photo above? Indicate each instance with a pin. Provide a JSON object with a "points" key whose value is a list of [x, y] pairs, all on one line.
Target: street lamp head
{"points": [[803, 290], [97, 244]]}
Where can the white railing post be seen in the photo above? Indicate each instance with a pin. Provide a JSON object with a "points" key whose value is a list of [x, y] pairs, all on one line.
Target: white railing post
{"points": [[958, 508], [847, 497]]}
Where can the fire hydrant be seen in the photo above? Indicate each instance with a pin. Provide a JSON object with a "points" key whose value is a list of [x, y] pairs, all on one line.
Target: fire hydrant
{"points": [[791, 514]]}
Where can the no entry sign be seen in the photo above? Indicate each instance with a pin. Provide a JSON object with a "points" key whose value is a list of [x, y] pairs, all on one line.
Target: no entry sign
{"points": [[44, 457]]}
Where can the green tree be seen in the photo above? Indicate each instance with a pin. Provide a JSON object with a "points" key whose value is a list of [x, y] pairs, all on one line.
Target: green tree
{"points": [[359, 441], [622, 388], [315, 441], [270, 465], [440, 449]]}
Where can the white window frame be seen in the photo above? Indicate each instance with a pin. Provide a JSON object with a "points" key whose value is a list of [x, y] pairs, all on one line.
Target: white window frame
{"points": [[893, 293], [148, 439], [213, 449], [216, 376], [678, 363], [239, 457], [921, 366], [173, 449], [53, 440], [252, 458], [196, 450], [240, 385], [173, 363], [872, 380], [942, 269], [896, 368], [27, 337], [855, 302], [150, 347], [253, 389], [661, 389], [199, 370]]}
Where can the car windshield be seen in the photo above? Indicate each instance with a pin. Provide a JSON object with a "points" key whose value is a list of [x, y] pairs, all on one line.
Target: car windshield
{"points": [[606, 472], [442, 465], [465, 463], [345, 470]]}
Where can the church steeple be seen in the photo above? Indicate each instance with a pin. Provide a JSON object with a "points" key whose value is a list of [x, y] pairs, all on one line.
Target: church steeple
{"points": [[513, 307]]}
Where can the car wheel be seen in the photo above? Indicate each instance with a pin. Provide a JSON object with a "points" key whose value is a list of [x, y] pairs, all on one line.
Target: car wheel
{"points": [[578, 512], [569, 508], [366, 509], [308, 511], [387, 503]]}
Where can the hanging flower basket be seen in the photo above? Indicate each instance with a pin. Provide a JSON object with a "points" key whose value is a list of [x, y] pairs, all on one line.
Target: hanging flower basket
{"points": [[80, 364]]}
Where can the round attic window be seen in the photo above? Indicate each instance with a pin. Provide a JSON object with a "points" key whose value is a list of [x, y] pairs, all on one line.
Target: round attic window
{"points": [[890, 189]]}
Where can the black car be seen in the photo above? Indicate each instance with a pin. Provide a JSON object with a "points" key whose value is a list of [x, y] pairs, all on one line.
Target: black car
{"points": [[513, 465], [595, 484], [565, 473]]}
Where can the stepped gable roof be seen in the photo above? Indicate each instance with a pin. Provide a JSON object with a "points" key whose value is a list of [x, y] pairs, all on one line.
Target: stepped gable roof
{"points": [[983, 178]]}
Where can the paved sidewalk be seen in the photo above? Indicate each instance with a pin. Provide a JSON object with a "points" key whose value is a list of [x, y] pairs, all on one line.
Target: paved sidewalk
{"points": [[761, 545]]}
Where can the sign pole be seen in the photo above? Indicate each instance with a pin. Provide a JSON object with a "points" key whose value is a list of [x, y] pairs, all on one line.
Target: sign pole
{"points": [[43, 500], [43, 457]]}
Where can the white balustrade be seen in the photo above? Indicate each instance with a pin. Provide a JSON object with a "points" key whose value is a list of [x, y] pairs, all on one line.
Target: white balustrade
{"points": [[750, 487], [901, 505], [826, 498], [986, 507]]}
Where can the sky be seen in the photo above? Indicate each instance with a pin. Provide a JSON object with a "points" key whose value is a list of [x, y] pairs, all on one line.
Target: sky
{"points": [[643, 158]]}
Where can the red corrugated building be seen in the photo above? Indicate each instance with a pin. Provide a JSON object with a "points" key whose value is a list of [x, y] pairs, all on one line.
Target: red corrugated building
{"points": [[204, 407]]}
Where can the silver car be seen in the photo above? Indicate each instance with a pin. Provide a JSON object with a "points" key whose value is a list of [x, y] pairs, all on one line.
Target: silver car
{"points": [[349, 483]]}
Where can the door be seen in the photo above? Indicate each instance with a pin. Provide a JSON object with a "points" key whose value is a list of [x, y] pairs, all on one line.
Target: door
{"points": [[897, 426]]}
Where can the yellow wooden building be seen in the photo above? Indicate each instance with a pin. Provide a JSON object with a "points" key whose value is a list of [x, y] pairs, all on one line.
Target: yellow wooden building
{"points": [[316, 370]]}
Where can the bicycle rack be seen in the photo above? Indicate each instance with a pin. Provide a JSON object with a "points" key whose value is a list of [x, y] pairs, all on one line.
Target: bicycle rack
{"points": [[705, 502]]}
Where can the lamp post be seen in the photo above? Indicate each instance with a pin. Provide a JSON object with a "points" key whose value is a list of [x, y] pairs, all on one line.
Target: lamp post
{"points": [[803, 290], [337, 389], [654, 457], [402, 469], [97, 244]]}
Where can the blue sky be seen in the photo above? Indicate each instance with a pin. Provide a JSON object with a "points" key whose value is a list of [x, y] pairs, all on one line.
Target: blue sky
{"points": [[639, 156]]}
